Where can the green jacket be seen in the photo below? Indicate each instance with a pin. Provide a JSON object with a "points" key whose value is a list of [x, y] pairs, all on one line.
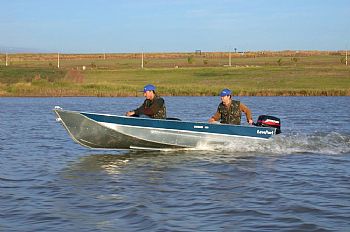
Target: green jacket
{"points": [[153, 109], [230, 115]]}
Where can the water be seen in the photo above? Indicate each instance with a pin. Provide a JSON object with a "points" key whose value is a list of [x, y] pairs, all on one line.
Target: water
{"points": [[300, 181]]}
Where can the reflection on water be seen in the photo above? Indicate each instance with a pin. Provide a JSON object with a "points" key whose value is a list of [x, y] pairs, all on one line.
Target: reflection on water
{"points": [[94, 162], [99, 162]]}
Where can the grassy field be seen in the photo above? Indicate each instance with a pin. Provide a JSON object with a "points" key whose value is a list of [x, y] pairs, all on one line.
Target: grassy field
{"points": [[187, 74]]}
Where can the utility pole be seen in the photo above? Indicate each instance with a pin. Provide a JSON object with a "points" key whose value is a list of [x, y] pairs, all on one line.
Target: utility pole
{"points": [[6, 59], [346, 57], [142, 60], [58, 60], [229, 58]]}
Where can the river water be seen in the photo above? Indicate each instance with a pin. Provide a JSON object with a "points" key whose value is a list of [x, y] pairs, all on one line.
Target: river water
{"points": [[299, 181]]}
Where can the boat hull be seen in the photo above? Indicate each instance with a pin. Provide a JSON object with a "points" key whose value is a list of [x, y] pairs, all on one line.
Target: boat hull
{"points": [[103, 131]]}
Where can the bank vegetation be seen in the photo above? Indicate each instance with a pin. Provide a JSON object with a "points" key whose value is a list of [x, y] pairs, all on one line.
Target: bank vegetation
{"points": [[286, 73]]}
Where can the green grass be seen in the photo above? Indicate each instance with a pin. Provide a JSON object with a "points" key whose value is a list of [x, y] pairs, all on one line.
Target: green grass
{"points": [[11, 75], [308, 76]]}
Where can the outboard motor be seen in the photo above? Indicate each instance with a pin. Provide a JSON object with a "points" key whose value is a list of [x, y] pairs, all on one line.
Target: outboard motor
{"points": [[269, 121]]}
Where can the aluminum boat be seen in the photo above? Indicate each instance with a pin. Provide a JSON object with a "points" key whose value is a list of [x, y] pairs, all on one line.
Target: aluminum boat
{"points": [[105, 131]]}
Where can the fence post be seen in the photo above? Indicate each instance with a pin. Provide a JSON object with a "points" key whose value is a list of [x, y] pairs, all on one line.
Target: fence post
{"points": [[58, 60]]}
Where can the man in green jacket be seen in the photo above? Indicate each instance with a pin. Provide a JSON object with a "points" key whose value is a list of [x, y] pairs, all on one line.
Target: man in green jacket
{"points": [[153, 106]]}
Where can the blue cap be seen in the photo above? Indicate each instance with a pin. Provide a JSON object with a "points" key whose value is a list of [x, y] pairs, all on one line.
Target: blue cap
{"points": [[149, 88], [225, 92]]}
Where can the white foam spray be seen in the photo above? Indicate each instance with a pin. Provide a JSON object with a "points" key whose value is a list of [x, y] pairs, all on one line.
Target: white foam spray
{"points": [[318, 143]]}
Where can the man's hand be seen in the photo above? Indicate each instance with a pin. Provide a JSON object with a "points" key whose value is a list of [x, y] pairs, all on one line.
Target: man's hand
{"points": [[130, 113]]}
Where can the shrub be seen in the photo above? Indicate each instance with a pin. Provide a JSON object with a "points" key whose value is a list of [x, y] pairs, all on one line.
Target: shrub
{"points": [[279, 61], [294, 59], [343, 60], [190, 59]]}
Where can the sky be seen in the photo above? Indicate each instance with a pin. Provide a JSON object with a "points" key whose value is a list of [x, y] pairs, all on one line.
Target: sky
{"points": [[128, 26]]}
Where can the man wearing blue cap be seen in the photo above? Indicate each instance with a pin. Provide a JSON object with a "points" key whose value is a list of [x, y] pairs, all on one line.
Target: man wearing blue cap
{"points": [[229, 110], [153, 106]]}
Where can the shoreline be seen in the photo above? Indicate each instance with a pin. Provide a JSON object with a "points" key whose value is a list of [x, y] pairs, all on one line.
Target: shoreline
{"points": [[329, 94]]}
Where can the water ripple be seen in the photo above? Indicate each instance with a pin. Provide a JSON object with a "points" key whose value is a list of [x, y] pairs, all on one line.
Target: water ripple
{"points": [[297, 182]]}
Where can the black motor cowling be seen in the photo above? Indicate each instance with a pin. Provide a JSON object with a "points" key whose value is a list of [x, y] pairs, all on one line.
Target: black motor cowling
{"points": [[269, 121]]}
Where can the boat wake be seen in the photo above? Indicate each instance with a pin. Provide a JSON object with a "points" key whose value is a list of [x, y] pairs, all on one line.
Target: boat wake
{"points": [[318, 143]]}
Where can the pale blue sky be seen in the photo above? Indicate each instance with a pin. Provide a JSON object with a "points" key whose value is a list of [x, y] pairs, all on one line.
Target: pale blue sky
{"points": [[93, 26]]}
